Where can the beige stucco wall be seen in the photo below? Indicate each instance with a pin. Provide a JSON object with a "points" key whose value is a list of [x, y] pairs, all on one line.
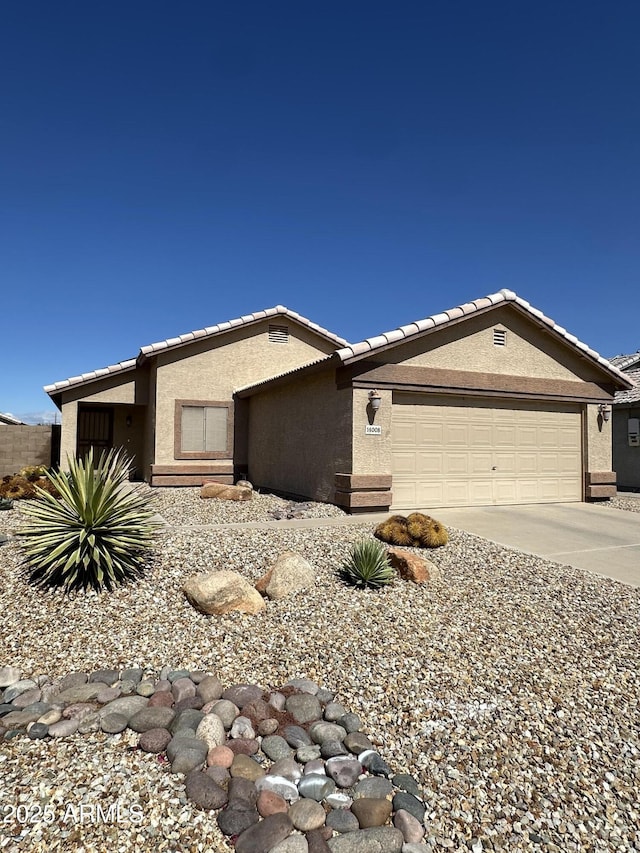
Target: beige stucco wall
{"points": [[468, 345], [371, 453], [149, 444], [69, 432], [214, 368], [300, 436], [598, 442]]}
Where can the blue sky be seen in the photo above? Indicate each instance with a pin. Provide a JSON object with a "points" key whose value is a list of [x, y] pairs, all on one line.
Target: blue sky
{"points": [[167, 166]]}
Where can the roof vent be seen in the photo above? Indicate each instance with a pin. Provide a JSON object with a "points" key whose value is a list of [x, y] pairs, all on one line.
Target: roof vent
{"points": [[278, 334], [499, 337]]}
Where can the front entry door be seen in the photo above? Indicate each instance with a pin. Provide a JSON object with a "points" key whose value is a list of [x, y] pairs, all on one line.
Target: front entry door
{"points": [[95, 429]]}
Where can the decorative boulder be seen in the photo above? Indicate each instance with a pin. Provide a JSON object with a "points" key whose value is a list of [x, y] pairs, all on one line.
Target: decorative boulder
{"points": [[219, 592], [290, 573], [410, 567], [225, 493]]}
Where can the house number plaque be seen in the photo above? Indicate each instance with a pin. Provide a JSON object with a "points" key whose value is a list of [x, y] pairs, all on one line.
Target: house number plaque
{"points": [[372, 429]]}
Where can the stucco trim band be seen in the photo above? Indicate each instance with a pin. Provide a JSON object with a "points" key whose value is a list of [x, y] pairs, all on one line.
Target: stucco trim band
{"points": [[438, 381]]}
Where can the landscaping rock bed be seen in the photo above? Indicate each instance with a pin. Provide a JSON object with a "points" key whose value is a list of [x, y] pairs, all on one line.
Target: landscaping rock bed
{"points": [[270, 763]]}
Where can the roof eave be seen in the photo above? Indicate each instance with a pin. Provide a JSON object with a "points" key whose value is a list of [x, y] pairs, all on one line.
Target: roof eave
{"points": [[283, 378]]}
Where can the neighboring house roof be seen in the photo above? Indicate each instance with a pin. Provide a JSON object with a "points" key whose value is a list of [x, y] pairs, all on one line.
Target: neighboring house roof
{"points": [[9, 419], [200, 334], [624, 362], [633, 394], [353, 352]]}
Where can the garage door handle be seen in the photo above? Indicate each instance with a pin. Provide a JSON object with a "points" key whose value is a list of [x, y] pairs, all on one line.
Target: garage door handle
{"points": [[494, 467]]}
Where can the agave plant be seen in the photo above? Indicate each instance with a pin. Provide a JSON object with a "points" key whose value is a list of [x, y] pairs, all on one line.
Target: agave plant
{"points": [[99, 531], [367, 565]]}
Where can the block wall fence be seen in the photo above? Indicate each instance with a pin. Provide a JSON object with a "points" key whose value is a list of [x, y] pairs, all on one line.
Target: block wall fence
{"points": [[22, 445]]}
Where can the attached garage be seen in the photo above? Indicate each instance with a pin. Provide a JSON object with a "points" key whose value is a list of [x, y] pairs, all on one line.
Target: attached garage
{"points": [[489, 403], [470, 452]]}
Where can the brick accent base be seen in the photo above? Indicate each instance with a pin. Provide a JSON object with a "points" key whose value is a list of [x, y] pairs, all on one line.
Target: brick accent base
{"points": [[363, 492], [600, 485], [191, 475]]}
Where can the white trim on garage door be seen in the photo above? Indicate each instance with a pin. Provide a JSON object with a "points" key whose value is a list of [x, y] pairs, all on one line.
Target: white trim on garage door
{"points": [[450, 451]]}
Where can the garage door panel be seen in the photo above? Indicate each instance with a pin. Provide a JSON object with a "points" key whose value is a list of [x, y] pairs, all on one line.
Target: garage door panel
{"points": [[480, 463], [505, 491], [569, 463], [429, 434], [505, 463], [527, 491], [480, 493], [504, 436], [404, 462], [429, 463], [457, 492], [404, 434], [480, 435], [457, 435], [527, 437], [566, 438], [548, 463], [527, 463], [456, 463], [480, 454], [430, 493]]}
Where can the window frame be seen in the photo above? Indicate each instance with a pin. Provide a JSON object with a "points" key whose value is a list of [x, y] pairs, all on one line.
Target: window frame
{"points": [[179, 453]]}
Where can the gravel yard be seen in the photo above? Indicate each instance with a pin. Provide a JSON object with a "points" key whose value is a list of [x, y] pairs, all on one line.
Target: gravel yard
{"points": [[510, 687], [631, 504]]}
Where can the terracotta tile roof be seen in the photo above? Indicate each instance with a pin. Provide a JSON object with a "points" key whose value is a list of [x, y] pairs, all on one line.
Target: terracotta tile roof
{"points": [[121, 367], [370, 345], [199, 334], [278, 311], [633, 394]]}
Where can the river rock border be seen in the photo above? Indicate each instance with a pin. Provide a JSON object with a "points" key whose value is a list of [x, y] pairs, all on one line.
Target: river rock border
{"points": [[288, 770]]}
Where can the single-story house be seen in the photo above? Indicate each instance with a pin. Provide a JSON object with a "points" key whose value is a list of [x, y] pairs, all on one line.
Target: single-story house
{"points": [[626, 424], [490, 402]]}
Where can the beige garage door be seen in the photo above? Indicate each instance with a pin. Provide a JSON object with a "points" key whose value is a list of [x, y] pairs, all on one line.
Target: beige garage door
{"points": [[471, 453]]}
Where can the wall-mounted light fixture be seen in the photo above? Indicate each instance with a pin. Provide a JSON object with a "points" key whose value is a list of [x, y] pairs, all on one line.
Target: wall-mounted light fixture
{"points": [[604, 411], [375, 399]]}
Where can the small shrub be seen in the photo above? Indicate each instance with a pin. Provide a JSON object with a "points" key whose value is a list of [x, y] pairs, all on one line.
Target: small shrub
{"points": [[17, 488], [367, 565], [96, 534], [416, 531], [33, 472], [417, 524], [394, 531], [434, 535]]}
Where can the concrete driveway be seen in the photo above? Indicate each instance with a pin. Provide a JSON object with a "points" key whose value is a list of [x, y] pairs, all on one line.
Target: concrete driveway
{"points": [[602, 540]]}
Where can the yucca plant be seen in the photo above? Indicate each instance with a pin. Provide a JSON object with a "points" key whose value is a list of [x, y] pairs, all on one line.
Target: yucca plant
{"points": [[96, 534], [367, 565]]}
